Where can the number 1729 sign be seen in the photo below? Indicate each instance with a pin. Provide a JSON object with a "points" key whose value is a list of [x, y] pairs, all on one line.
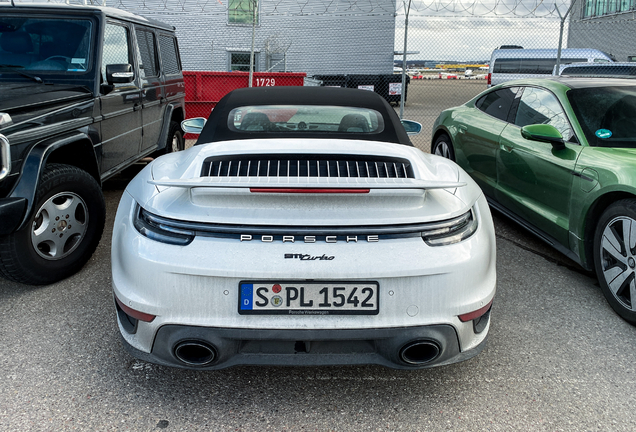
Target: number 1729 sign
{"points": [[264, 82]]}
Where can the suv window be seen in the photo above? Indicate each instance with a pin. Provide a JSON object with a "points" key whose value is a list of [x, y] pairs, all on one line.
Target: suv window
{"points": [[116, 48], [52, 45], [539, 106], [146, 44], [169, 57], [497, 103]]}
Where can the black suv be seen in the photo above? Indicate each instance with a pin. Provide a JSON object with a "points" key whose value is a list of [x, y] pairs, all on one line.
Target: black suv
{"points": [[84, 93]]}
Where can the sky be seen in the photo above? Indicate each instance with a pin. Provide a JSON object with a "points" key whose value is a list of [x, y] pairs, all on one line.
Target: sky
{"points": [[467, 31]]}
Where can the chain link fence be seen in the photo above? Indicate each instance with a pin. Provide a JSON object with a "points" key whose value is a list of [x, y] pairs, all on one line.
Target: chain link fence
{"points": [[227, 44]]}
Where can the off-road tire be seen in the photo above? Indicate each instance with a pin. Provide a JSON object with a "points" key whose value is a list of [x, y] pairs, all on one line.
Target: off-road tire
{"points": [[21, 262]]}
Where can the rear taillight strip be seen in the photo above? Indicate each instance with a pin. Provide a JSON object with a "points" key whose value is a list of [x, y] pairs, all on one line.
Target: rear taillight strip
{"points": [[309, 191]]}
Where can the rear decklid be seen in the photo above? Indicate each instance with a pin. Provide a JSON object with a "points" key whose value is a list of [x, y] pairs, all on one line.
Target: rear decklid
{"points": [[304, 182]]}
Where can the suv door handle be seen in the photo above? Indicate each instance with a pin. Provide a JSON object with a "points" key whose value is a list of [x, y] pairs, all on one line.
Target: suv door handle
{"points": [[136, 107]]}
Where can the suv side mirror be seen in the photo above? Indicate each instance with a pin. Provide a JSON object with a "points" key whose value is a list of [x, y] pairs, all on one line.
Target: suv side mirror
{"points": [[544, 133], [411, 127], [193, 125], [119, 73]]}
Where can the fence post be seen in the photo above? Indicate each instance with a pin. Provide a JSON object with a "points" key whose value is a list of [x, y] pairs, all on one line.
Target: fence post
{"points": [[558, 61], [406, 29]]}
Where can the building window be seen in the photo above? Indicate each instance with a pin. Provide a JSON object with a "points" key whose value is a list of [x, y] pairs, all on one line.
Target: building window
{"points": [[240, 61], [594, 8], [243, 11], [600, 7]]}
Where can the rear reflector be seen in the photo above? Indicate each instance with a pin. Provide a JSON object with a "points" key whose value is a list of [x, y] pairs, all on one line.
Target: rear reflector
{"points": [[310, 191], [135, 313], [476, 314]]}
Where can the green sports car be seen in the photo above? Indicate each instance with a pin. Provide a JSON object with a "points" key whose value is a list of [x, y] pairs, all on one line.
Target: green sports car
{"points": [[559, 157]]}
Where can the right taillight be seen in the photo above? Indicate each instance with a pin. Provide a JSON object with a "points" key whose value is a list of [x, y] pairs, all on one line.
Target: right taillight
{"points": [[451, 231]]}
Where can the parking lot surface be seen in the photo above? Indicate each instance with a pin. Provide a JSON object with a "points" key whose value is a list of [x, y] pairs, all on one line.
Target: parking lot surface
{"points": [[557, 358]]}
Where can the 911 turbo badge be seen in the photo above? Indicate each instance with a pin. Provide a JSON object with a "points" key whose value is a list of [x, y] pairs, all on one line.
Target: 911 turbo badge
{"points": [[307, 257]]}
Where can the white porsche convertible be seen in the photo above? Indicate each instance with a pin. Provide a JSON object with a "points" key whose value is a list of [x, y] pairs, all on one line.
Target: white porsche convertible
{"points": [[303, 228]]}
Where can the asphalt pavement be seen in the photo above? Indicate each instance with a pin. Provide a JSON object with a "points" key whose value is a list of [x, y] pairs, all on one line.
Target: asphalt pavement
{"points": [[557, 358]]}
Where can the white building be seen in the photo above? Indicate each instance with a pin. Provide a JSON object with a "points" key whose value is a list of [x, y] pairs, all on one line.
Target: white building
{"points": [[313, 36]]}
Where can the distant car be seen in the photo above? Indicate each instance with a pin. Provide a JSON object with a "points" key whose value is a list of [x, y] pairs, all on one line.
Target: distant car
{"points": [[509, 64], [558, 156], [303, 228], [597, 70]]}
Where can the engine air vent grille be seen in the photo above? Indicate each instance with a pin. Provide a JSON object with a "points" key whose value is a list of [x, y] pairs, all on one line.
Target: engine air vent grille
{"points": [[345, 166]]}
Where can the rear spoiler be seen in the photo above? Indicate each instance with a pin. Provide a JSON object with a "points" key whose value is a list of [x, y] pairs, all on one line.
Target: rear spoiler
{"points": [[307, 182]]}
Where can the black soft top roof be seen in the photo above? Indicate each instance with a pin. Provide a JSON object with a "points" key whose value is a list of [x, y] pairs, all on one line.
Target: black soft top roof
{"points": [[216, 128]]}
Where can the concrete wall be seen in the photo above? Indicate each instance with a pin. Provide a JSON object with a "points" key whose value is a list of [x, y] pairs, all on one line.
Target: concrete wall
{"points": [[614, 34]]}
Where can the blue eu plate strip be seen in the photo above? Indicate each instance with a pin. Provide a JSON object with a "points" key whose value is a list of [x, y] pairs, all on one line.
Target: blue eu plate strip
{"points": [[246, 296]]}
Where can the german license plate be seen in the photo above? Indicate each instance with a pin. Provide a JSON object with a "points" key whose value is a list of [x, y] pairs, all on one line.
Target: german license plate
{"points": [[308, 298]]}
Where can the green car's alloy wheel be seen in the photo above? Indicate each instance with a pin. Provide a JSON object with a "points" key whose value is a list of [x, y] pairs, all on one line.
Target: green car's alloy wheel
{"points": [[443, 147], [615, 257]]}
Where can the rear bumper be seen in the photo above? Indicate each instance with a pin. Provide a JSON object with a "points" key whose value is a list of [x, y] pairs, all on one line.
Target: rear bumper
{"points": [[12, 211], [234, 347]]}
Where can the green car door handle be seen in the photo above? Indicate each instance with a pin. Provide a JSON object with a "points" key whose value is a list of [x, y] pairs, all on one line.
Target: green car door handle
{"points": [[462, 128], [505, 148]]}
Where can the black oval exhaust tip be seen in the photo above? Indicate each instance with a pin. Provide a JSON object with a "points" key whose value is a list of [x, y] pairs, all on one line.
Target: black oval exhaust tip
{"points": [[194, 353], [419, 352]]}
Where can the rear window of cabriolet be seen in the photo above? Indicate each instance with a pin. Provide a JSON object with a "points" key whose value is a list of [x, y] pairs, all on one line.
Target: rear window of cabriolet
{"points": [[305, 118]]}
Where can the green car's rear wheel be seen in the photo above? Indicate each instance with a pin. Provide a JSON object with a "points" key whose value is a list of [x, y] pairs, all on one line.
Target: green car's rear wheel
{"points": [[443, 147], [615, 257]]}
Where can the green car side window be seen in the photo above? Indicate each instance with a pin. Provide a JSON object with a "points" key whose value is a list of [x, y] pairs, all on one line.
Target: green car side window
{"points": [[539, 106], [498, 102]]}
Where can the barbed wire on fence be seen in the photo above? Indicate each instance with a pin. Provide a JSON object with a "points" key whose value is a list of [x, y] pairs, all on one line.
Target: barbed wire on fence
{"points": [[439, 8]]}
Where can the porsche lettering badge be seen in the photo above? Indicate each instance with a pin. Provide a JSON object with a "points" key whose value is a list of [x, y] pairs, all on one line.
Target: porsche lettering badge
{"points": [[310, 238]]}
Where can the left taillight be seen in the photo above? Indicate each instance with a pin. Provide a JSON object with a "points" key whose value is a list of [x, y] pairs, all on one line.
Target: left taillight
{"points": [[158, 229]]}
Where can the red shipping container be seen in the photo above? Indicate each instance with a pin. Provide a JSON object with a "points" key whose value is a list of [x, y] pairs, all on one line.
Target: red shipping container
{"points": [[204, 89]]}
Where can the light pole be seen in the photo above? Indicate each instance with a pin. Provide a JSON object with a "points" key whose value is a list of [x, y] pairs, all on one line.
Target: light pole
{"points": [[254, 4], [406, 30]]}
